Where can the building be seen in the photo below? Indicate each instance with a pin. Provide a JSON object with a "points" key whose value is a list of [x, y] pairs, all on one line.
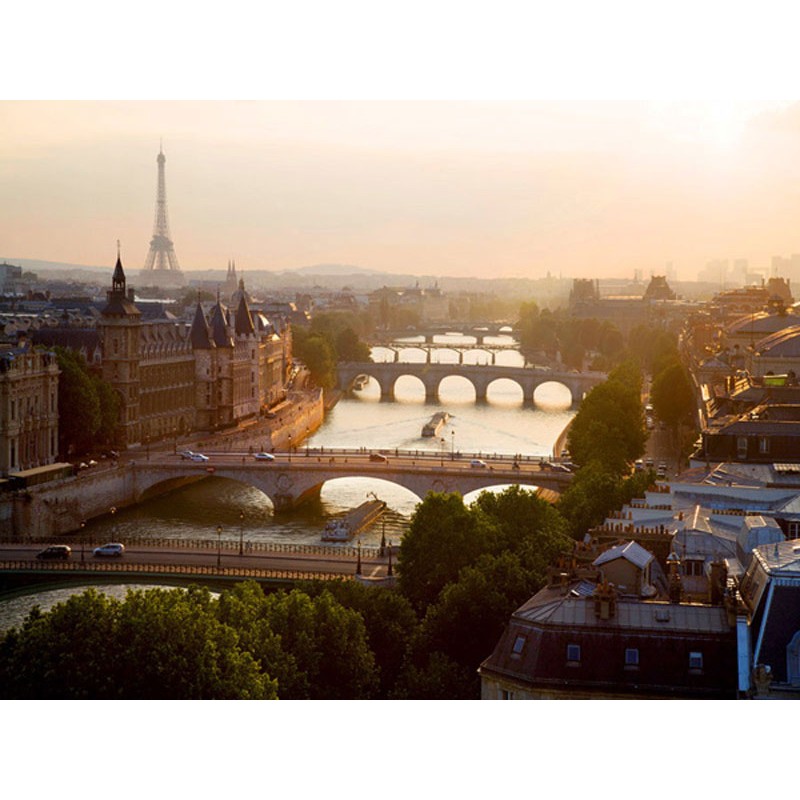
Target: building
{"points": [[173, 378], [28, 409]]}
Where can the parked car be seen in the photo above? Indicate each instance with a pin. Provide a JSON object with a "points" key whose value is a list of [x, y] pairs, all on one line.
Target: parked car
{"points": [[198, 457], [186, 454], [61, 551], [639, 465], [113, 549], [477, 463], [264, 457], [378, 457]]}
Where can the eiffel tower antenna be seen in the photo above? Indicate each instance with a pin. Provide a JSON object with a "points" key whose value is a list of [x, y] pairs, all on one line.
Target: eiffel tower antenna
{"points": [[161, 260]]}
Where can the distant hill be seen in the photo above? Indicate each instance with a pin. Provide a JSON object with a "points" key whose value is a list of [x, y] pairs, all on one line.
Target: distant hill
{"points": [[334, 269], [36, 265]]}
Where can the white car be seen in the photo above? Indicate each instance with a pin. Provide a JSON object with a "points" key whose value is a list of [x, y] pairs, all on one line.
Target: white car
{"points": [[186, 453], [198, 457], [477, 463], [264, 457], [114, 549]]}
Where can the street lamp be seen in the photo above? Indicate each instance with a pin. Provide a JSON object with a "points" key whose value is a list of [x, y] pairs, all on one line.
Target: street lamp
{"points": [[453, 445], [83, 525], [241, 533], [389, 570], [307, 435], [290, 448], [219, 545], [358, 561]]}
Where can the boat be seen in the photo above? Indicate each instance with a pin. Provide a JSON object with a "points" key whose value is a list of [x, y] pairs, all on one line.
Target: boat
{"points": [[360, 382], [342, 529], [434, 426]]}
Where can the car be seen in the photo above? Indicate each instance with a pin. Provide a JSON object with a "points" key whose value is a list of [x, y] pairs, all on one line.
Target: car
{"points": [[270, 415], [112, 549], [649, 463], [477, 463], [264, 457], [378, 457], [60, 551], [92, 463], [639, 465], [186, 453], [198, 457]]}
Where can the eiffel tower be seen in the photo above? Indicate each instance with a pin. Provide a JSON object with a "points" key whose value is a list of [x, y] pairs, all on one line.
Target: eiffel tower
{"points": [[161, 267]]}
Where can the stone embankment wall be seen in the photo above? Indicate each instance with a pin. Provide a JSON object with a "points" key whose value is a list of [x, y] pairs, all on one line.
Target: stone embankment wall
{"points": [[60, 507]]}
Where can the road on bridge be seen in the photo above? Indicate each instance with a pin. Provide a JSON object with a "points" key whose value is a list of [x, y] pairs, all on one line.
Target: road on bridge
{"points": [[142, 554]]}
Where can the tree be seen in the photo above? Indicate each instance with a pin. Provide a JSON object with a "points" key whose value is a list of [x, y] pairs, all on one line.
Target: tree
{"points": [[594, 491], [389, 620], [443, 537], [318, 354], [471, 613], [671, 395], [529, 527], [78, 404], [156, 644]]}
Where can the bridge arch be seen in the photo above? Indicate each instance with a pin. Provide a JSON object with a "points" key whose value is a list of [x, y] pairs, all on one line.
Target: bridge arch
{"points": [[507, 392], [554, 394]]}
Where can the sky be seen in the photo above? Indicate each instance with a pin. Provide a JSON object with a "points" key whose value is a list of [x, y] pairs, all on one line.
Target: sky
{"points": [[498, 140], [474, 188]]}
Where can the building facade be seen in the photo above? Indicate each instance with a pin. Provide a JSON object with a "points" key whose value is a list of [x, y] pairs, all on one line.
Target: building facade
{"points": [[173, 378], [28, 409]]}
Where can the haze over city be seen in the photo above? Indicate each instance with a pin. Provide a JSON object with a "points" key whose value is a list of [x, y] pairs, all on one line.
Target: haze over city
{"points": [[502, 189]]}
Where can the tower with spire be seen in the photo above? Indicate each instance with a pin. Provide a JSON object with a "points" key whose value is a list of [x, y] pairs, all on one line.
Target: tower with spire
{"points": [[119, 327], [161, 266]]}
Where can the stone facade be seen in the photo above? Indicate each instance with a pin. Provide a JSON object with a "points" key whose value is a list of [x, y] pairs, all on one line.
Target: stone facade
{"points": [[28, 409], [173, 378]]}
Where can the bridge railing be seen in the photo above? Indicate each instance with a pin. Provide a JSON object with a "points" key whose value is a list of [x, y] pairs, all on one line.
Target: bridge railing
{"points": [[108, 567], [227, 546]]}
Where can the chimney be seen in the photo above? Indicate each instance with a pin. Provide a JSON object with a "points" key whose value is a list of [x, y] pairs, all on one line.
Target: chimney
{"points": [[605, 601], [675, 590]]}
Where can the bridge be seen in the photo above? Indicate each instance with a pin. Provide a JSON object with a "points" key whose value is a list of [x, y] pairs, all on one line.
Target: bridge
{"points": [[478, 330], [492, 350], [480, 375], [292, 479]]}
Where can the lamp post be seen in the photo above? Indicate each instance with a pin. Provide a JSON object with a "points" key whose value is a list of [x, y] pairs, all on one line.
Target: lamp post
{"points": [[219, 545], [241, 533], [307, 435], [383, 538], [389, 570], [83, 525], [358, 560], [290, 448], [453, 445]]}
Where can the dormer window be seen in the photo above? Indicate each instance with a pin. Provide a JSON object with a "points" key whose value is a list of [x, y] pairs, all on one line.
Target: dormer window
{"points": [[519, 644], [573, 655], [631, 656], [696, 661]]}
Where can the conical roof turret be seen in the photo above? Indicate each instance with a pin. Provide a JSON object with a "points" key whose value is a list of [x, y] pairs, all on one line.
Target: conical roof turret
{"points": [[201, 339]]}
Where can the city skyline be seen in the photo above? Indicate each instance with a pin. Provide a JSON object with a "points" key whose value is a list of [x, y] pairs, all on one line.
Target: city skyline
{"points": [[459, 188]]}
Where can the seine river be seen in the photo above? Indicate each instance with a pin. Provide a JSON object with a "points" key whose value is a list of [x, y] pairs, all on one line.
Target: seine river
{"points": [[504, 424]]}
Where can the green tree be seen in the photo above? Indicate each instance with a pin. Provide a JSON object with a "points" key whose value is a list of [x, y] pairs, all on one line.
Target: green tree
{"points": [[156, 644], [389, 619], [671, 395], [349, 346], [471, 613], [317, 352], [79, 412], [443, 537], [436, 678]]}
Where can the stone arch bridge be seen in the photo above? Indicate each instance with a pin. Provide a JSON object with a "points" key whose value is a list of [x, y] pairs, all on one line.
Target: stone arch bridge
{"points": [[480, 375], [290, 481]]}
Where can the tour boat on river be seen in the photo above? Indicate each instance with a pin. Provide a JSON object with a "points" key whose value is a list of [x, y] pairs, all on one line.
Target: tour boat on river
{"points": [[345, 528], [436, 423]]}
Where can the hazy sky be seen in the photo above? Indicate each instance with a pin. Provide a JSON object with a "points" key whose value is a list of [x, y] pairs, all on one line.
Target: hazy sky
{"points": [[474, 188]]}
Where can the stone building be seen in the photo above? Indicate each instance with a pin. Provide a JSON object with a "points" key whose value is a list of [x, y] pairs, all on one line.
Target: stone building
{"points": [[173, 378], [28, 409]]}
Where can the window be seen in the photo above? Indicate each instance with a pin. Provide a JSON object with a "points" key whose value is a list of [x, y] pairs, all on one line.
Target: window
{"points": [[763, 444], [694, 568], [741, 447], [794, 530], [631, 656], [519, 643], [695, 660], [574, 653]]}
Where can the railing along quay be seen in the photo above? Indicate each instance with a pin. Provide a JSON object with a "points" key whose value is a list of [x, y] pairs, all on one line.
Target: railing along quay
{"points": [[169, 569]]}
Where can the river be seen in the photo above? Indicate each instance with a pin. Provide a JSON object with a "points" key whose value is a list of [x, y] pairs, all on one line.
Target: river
{"points": [[504, 424]]}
